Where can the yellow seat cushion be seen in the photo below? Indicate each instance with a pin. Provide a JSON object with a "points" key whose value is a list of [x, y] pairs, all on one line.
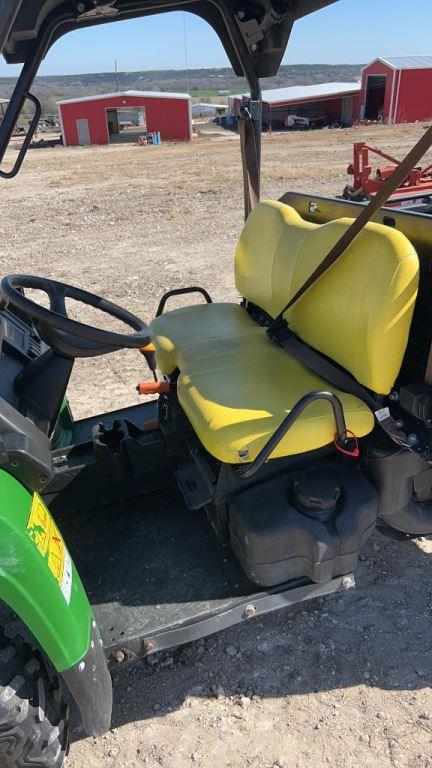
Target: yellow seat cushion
{"points": [[200, 326], [236, 397]]}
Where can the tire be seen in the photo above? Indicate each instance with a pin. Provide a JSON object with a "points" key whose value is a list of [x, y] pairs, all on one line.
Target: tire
{"points": [[33, 714]]}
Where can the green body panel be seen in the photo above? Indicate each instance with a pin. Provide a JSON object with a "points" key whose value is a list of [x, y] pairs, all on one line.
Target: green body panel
{"points": [[29, 587], [66, 425]]}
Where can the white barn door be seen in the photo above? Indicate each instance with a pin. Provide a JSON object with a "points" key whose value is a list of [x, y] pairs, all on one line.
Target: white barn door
{"points": [[83, 132]]}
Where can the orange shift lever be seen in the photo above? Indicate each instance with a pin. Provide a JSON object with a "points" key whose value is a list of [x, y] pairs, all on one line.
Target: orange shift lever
{"points": [[149, 353], [148, 348], [153, 387]]}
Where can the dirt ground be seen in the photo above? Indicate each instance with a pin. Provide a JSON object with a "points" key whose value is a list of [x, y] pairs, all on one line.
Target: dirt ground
{"points": [[342, 681]]}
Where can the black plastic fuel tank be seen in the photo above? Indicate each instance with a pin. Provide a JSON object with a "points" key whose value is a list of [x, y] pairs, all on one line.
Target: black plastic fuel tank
{"points": [[310, 523]]}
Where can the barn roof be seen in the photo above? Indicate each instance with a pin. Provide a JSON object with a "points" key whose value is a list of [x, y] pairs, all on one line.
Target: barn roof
{"points": [[209, 104], [317, 90], [303, 92], [407, 62], [137, 94]]}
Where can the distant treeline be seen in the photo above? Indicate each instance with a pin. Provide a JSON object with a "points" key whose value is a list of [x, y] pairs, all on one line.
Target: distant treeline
{"points": [[52, 88]]}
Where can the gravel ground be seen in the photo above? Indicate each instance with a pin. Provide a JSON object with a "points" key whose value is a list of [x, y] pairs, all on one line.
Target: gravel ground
{"points": [[341, 681]]}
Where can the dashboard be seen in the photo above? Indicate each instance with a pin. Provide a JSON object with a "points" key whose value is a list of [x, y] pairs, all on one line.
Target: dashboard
{"points": [[20, 344]]}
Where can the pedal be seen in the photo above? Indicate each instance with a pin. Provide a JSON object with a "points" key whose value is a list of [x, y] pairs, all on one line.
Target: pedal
{"points": [[196, 479], [195, 490]]}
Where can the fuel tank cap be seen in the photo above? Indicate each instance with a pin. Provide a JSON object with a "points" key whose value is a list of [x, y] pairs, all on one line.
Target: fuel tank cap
{"points": [[316, 494]]}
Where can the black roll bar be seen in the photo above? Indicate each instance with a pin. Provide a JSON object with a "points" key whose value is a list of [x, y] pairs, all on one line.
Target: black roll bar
{"points": [[8, 13], [28, 137], [18, 98], [22, 88], [249, 470]]}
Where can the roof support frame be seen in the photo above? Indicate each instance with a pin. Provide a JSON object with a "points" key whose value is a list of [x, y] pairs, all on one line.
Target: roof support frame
{"points": [[251, 161], [25, 81], [254, 35], [53, 25]]}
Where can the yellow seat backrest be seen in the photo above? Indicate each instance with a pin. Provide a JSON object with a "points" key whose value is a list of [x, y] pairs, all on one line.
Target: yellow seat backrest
{"points": [[359, 312], [266, 254]]}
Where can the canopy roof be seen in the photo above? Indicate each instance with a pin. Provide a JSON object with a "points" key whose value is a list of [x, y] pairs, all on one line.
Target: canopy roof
{"points": [[254, 34]]}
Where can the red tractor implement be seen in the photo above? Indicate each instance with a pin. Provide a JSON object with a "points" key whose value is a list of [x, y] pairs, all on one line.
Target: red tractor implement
{"points": [[368, 182]]}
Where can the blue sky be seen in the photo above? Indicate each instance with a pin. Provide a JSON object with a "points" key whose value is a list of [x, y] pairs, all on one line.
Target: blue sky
{"points": [[350, 31]]}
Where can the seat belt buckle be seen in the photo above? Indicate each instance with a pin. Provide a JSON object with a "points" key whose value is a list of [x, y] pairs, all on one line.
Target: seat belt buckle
{"points": [[279, 331]]}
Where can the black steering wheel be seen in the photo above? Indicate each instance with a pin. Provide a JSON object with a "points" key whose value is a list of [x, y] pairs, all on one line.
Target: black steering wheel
{"points": [[71, 338]]}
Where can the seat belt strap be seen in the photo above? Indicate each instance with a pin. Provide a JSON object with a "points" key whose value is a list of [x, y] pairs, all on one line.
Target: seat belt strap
{"points": [[320, 365], [366, 214], [251, 176], [280, 332], [335, 376]]}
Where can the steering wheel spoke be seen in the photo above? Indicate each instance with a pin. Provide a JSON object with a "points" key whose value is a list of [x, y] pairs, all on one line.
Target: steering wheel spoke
{"points": [[57, 297], [71, 338]]}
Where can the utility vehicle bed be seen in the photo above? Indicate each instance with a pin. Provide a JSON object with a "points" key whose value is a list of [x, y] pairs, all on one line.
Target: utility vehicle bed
{"points": [[156, 576]]}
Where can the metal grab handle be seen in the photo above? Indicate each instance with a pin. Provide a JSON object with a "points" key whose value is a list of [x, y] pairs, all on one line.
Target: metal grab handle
{"points": [[26, 143], [181, 292], [251, 469]]}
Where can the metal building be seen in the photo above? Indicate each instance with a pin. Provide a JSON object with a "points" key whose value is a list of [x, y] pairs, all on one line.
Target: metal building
{"points": [[119, 117], [207, 109], [397, 89], [310, 105]]}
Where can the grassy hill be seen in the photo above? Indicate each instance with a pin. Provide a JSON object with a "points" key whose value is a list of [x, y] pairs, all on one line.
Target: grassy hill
{"points": [[200, 83]]}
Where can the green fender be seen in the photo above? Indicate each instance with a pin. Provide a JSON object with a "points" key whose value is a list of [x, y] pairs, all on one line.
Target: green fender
{"points": [[38, 579]]}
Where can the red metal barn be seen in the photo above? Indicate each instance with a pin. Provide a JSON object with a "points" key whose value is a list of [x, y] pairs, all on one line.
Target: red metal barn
{"points": [[397, 89], [117, 117]]}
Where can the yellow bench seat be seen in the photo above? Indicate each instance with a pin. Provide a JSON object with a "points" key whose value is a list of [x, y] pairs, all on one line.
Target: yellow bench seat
{"points": [[236, 386], [235, 397]]}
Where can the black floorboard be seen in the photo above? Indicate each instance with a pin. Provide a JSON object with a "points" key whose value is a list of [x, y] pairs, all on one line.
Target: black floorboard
{"points": [[149, 564]]}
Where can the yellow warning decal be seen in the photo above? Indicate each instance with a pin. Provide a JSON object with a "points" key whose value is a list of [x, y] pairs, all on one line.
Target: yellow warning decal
{"points": [[48, 539], [39, 524]]}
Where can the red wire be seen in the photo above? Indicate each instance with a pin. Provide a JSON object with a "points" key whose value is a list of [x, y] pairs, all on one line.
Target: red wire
{"points": [[355, 453]]}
